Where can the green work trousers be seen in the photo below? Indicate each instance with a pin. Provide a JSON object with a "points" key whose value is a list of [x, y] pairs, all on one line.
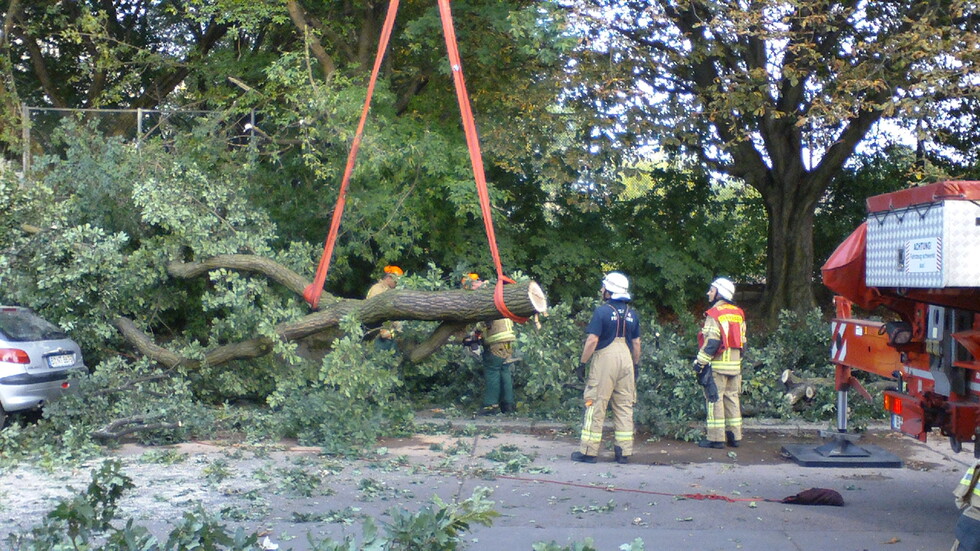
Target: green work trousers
{"points": [[610, 382], [498, 384], [385, 344]]}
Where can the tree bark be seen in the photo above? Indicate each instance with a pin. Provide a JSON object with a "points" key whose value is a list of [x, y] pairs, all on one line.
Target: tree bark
{"points": [[789, 266]]}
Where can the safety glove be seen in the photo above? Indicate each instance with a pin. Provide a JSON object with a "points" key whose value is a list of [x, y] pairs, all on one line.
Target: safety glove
{"points": [[706, 380], [580, 371]]}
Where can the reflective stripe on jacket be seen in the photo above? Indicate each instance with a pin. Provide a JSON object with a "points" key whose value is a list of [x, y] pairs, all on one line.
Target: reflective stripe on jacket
{"points": [[501, 330], [967, 493], [731, 322], [724, 324]]}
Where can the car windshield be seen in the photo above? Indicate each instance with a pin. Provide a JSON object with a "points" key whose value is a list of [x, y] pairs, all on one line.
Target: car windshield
{"points": [[22, 325]]}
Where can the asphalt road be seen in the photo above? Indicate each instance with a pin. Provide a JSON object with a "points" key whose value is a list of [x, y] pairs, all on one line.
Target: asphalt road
{"points": [[289, 493], [908, 508]]}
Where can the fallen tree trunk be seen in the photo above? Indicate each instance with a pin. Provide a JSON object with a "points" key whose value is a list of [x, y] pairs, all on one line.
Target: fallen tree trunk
{"points": [[455, 308]]}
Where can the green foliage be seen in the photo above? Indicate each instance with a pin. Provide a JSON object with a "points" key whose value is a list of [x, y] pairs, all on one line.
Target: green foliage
{"points": [[217, 471], [199, 529], [587, 545], [673, 232], [669, 401], [298, 481], [137, 390], [82, 522], [350, 402], [76, 522], [45, 447], [163, 456], [439, 526], [550, 356], [799, 343]]}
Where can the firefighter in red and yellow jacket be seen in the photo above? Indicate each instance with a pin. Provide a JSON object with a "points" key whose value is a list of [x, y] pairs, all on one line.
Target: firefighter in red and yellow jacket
{"points": [[967, 494], [720, 343]]}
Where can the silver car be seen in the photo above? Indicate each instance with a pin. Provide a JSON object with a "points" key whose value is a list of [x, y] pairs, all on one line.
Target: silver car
{"points": [[36, 358]]}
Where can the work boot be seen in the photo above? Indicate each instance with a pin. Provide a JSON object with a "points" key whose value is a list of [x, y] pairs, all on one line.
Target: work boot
{"points": [[488, 410], [620, 458], [582, 458], [507, 408], [730, 439], [711, 444]]}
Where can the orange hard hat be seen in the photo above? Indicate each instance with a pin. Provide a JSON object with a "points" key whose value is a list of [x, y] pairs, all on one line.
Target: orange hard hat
{"points": [[394, 270], [472, 276]]}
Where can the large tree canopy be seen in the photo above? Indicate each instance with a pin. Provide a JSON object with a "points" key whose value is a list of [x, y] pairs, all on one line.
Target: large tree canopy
{"points": [[778, 94]]}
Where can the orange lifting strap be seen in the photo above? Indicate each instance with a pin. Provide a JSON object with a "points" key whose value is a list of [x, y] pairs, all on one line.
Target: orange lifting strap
{"points": [[312, 293]]}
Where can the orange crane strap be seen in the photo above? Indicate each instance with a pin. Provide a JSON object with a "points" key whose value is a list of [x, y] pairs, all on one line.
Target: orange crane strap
{"points": [[314, 290], [312, 293], [476, 157]]}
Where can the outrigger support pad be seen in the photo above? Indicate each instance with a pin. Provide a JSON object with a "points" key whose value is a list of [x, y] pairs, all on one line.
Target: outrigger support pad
{"points": [[841, 449]]}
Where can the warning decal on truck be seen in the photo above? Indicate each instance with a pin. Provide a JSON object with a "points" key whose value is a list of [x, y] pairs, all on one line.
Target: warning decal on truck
{"points": [[924, 255]]}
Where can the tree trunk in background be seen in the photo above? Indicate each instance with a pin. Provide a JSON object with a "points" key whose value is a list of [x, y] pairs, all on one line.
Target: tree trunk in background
{"points": [[789, 269]]}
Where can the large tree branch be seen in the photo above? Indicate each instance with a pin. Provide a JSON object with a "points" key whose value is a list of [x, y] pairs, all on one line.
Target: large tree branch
{"points": [[417, 84], [369, 29], [436, 340], [335, 39], [129, 425], [455, 308], [299, 18], [41, 69], [154, 94], [246, 263], [13, 11], [838, 153]]}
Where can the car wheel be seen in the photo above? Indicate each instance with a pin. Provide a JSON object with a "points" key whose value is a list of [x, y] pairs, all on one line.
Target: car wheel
{"points": [[3, 417]]}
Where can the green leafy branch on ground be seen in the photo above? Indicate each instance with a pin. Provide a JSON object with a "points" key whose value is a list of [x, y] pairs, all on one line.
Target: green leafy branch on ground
{"points": [[85, 523]]}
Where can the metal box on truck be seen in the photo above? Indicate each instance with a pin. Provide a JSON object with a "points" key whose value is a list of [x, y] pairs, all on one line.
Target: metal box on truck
{"points": [[924, 238]]}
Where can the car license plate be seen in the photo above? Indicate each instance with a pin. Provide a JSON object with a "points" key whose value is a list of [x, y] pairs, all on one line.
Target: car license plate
{"points": [[897, 422], [61, 360]]}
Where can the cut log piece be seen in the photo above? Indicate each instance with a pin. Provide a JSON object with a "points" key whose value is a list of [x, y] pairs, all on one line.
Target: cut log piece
{"points": [[800, 390]]}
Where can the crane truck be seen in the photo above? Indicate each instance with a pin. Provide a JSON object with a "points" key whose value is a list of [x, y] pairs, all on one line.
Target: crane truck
{"points": [[916, 262]]}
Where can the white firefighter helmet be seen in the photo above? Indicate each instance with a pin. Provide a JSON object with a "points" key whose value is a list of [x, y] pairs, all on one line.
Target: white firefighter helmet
{"points": [[725, 288], [618, 286]]}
